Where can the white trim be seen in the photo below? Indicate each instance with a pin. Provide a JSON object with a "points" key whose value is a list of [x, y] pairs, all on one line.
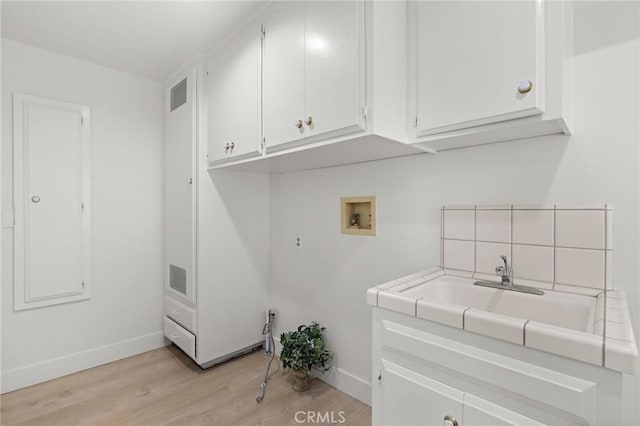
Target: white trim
{"points": [[22, 300], [57, 367]]}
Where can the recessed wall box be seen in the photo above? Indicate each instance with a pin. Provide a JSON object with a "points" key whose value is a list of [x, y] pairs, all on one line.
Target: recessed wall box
{"points": [[358, 215]]}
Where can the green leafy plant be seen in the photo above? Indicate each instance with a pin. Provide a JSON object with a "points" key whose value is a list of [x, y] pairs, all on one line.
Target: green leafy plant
{"points": [[304, 349]]}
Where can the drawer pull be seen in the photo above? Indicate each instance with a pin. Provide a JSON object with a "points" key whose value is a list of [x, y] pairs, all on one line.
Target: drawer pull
{"points": [[176, 313], [450, 421], [174, 335]]}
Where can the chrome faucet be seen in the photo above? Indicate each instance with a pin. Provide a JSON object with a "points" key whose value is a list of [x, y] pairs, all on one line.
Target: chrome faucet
{"points": [[505, 273]]}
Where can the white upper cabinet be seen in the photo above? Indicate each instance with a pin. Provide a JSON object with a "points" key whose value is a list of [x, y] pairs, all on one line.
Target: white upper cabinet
{"points": [[233, 94], [486, 71], [283, 64], [472, 78], [313, 72]]}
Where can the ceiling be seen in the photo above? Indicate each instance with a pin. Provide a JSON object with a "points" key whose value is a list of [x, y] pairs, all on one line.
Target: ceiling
{"points": [[147, 38]]}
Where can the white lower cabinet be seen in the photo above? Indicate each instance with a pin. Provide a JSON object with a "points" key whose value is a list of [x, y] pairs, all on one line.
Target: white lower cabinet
{"points": [[426, 373], [413, 399]]}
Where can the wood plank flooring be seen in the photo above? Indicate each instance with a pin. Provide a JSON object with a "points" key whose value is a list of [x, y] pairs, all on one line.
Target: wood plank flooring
{"points": [[164, 387]]}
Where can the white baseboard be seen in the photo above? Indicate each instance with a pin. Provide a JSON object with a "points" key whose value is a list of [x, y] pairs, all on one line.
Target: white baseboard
{"points": [[349, 384], [50, 369], [344, 381]]}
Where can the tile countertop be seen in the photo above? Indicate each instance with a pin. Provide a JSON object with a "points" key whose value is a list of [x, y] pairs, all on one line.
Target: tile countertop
{"points": [[611, 344]]}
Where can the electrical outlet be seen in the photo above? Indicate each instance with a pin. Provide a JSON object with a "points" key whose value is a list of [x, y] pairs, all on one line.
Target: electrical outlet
{"points": [[298, 241]]}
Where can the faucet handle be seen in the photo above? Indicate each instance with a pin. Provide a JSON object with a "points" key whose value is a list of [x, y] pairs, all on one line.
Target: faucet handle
{"points": [[499, 270]]}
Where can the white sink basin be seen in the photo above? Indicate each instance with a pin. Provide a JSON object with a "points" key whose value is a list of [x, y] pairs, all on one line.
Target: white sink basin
{"points": [[560, 309], [454, 291], [595, 329], [565, 310]]}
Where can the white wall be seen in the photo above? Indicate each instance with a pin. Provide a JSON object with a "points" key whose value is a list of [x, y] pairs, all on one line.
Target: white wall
{"points": [[326, 279], [124, 314]]}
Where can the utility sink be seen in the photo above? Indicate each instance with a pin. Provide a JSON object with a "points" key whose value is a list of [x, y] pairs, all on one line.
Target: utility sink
{"points": [[454, 291], [560, 309], [573, 311]]}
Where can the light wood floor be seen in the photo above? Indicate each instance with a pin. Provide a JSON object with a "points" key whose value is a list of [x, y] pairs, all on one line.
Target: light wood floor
{"points": [[164, 387]]}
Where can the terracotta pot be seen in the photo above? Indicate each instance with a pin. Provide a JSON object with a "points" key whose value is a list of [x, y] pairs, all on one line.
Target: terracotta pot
{"points": [[302, 382]]}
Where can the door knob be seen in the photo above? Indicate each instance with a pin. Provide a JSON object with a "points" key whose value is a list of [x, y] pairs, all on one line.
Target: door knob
{"points": [[299, 124], [35, 199], [309, 121], [525, 86]]}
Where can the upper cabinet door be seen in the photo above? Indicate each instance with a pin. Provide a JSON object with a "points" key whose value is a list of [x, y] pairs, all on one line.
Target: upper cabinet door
{"points": [[478, 62], [233, 94], [283, 70], [334, 67]]}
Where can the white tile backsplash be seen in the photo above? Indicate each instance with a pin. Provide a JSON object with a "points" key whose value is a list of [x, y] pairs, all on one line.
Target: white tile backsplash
{"points": [[532, 262], [567, 249], [458, 255], [493, 225], [580, 267], [488, 256], [533, 227], [580, 228], [458, 224]]}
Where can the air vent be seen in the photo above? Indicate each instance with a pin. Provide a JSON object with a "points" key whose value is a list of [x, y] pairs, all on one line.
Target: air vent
{"points": [[178, 279], [179, 94]]}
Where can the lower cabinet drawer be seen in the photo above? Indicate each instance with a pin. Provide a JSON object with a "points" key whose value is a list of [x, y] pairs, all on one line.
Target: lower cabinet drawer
{"points": [[180, 313], [181, 337]]}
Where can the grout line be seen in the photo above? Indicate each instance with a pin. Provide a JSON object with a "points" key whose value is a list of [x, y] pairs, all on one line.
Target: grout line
{"points": [[553, 265], [475, 243], [442, 238], [532, 245], [511, 241], [531, 209], [604, 328], [464, 312], [606, 247]]}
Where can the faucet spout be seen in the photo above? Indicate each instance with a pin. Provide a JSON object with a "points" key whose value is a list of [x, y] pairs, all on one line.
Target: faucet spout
{"points": [[507, 272]]}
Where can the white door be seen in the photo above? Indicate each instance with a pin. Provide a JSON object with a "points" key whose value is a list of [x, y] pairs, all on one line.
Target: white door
{"points": [[283, 75], [51, 199], [180, 185], [233, 94], [472, 56], [478, 412], [334, 67], [406, 398]]}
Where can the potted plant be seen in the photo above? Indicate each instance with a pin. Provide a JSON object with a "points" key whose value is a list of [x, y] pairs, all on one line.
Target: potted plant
{"points": [[302, 351]]}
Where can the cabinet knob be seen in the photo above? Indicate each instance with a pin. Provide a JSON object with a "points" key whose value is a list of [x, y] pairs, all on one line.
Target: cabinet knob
{"points": [[35, 199], [525, 86], [299, 124], [190, 181], [450, 421], [309, 121], [226, 147], [233, 144]]}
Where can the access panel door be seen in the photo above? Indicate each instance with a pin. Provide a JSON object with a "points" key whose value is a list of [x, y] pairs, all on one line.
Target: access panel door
{"points": [[51, 199]]}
